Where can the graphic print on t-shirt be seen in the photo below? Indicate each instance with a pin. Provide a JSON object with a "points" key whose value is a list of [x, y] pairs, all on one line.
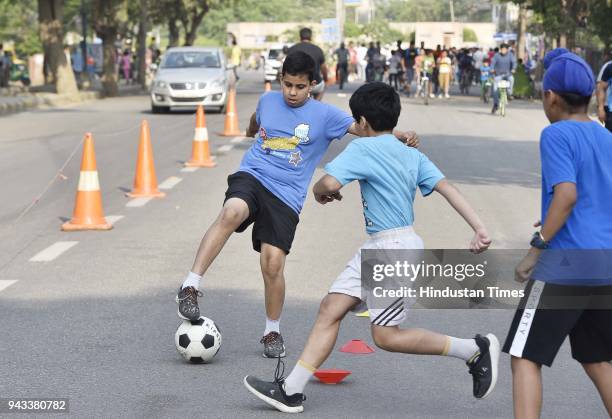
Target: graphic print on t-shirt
{"points": [[284, 146]]}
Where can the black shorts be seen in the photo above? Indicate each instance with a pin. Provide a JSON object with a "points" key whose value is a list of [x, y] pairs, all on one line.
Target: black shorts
{"points": [[537, 333], [274, 222]]}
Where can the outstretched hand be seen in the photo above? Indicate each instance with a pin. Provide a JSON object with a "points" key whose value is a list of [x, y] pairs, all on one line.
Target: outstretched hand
{"points": [[480, 242], [410, 138]]}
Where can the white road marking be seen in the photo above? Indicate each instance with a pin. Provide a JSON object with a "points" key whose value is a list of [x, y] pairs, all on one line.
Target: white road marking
{"points": [[53, 251], [170, 183], [112, 219], [237, 140], [225, 148], [341, 94], [138, 202], [5, 283], [189, 169]]}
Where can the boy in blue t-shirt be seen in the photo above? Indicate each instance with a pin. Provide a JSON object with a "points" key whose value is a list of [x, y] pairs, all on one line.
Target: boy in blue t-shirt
{"points": [[292, 133], [570, 284], [485, 75], [389, 175]]}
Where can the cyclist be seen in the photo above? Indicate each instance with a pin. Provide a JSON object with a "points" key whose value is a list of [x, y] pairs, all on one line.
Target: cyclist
{"points": [[502, 68]]}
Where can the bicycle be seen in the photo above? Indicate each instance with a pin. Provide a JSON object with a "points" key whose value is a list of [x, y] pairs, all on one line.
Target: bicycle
{"points": [[424, 87], [502, 86]]}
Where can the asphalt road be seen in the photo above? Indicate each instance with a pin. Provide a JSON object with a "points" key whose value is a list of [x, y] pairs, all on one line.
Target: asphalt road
{"points": [[96, 324]]}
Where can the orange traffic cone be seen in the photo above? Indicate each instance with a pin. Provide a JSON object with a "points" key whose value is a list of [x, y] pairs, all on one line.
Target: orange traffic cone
{"points": [[88, 213], [200, 153], [356, 346], [231, 117], [267, 86], [145, 181]]}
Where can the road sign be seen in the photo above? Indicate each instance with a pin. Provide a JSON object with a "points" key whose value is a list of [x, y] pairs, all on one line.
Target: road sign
{"points": [[330, 30]]}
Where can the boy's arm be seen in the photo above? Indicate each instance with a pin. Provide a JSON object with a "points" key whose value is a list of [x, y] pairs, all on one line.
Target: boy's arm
{"points": [[602, 86], [409, 138], [327, 189], [253, 126], [564, 199], [481, 240]]}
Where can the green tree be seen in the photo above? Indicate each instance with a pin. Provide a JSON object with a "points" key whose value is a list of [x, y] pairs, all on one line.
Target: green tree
{"points": [[107, 16], [379, 30], [19, 23], [60, 73]]}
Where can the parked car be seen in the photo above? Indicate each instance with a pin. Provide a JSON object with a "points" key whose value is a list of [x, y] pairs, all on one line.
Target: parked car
{"points": [[190, 76], [273, 60]]}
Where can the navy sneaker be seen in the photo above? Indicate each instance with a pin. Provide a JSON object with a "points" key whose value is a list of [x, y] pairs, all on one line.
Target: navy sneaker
{"points": [[273, 393], [484, 364]]}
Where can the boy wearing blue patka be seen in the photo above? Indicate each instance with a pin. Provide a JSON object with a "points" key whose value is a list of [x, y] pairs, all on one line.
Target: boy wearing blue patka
{"points": [[568, 266]]}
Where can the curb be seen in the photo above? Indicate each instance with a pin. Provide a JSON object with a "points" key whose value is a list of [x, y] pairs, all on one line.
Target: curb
{"points": [[35, 101]]}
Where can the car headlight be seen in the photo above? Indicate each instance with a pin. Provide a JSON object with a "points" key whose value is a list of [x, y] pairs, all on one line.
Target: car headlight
{"points": [[161, 84], [218, 83]]}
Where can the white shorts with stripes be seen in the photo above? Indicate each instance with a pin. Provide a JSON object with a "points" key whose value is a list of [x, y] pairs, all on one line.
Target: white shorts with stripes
{"points": [[349, 281]]}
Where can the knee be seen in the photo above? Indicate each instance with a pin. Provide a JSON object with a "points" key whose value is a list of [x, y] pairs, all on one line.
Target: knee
{"points": [[327, 313], [272, 268], [231, 217], [383, 337]]}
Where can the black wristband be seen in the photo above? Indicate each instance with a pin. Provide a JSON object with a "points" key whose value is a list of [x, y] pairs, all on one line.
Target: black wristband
{"points": [[538, 241]]}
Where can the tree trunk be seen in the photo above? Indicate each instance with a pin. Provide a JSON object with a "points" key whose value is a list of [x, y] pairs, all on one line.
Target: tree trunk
{"points": [[174, 33], [52, 36], [142, 45], [522, 28], [110, 87]]}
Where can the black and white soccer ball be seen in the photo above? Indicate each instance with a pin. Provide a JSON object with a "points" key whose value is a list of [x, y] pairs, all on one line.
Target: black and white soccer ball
{"points": [[198, 341]]}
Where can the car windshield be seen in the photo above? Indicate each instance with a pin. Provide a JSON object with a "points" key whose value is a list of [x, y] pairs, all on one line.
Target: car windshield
{"points": [[191, 59], [273, 54]]}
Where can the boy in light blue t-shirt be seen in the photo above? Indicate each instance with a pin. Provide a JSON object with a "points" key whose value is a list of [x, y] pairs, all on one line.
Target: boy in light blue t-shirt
{"points": [[292, 132], [389, 175]]}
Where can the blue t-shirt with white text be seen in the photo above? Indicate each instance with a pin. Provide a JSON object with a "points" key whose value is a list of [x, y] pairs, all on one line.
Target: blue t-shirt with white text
{"points": [[389, 174], [290, 144]]}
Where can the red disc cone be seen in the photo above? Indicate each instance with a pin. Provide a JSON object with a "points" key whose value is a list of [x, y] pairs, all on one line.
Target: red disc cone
{"points": [[356, 346]]}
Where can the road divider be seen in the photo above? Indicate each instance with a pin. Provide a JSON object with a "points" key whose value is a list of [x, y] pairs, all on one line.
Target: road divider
{"points": [[145, 180], [88, 213], [138, 202], [170, 183], [53, 251], [5, 283]]}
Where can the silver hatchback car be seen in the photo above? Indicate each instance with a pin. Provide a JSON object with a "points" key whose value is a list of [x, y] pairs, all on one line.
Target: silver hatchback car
{"points": [[190, 76]]}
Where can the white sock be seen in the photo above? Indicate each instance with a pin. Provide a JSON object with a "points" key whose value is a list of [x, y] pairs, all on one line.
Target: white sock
{"points": [[272, 326], [296, 381], [461, 348], [192, 280]]}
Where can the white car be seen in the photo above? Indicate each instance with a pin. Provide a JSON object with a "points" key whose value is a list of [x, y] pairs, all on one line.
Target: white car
{"points": [[188, 77], [272, 63]]}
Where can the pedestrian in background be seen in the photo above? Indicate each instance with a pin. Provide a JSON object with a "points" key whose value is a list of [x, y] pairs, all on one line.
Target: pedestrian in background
{"points": [[236, 57], [444, 73], [126, 66], [395, 63]]}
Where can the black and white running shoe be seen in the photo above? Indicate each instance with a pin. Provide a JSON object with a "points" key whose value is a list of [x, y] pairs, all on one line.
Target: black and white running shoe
{"points": [[274, 347], [484, 365], [273, 393], [187, 299]]}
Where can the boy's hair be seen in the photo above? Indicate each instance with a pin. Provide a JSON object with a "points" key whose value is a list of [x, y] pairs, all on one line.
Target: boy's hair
{"points": [[297, 63], [305, 34], [575, 103], [378, 103]]}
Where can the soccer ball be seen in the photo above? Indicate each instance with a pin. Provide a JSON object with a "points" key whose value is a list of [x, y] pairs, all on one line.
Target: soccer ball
{"points": [[198, 341]]}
